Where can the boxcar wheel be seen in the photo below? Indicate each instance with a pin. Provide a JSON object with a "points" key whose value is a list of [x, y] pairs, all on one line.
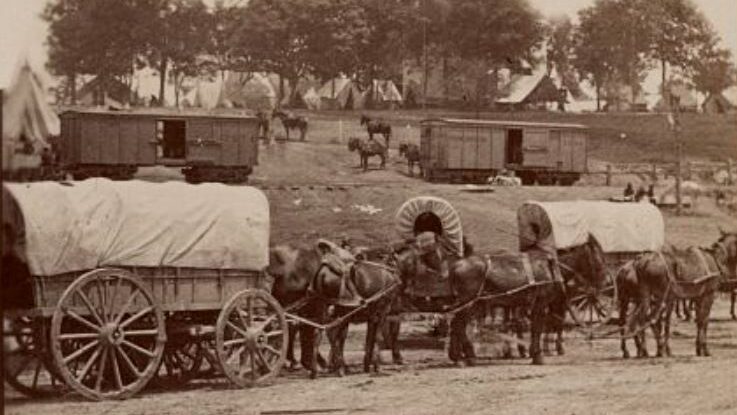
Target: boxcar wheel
{"points": [[107, 335], [251, 338], [27, 363]]}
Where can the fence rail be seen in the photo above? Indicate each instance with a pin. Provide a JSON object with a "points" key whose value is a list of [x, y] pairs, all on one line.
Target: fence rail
{"points": [[664, 170]]}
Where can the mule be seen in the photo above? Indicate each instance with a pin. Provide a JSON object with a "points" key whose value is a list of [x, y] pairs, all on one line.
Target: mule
{"points": [[377, 127], [412, 153], [695, 273], [627, 294], [367, 149], [292, 122], [371, 286], [469, 277], [291, 270], [727, 247]]}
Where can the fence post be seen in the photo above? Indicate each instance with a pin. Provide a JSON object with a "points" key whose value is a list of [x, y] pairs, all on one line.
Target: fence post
{"points": [[654, 172], [730, 166], [608, 174], [340, 131], [689, 169]]}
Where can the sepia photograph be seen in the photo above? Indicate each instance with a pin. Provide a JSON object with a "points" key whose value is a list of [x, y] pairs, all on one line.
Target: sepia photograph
{"points": [[379, 207]]}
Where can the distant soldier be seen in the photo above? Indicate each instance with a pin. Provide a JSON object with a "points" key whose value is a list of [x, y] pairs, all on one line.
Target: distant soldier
{"points": [[641, 193], [629, 192]]}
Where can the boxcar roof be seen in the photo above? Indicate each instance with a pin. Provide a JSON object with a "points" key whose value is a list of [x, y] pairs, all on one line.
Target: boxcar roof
{"points": [[500, 123], [160, 113]]}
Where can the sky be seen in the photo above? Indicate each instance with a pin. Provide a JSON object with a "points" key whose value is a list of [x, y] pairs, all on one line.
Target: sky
{"points": [[23, 33]]}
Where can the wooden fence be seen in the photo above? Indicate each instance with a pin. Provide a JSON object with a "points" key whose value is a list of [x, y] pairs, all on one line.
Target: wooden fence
{"points": [[665, 170]]}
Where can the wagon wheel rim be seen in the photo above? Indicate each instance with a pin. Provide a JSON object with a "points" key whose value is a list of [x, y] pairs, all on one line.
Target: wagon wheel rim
{"points": [[251, 338], [593, 309], [27, 365], [107, 335]]}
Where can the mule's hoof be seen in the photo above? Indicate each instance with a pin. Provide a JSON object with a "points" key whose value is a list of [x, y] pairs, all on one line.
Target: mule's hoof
{"points": [[470, 362], [293, 367], [625, 355], [537, 360], [313, 374], [561, 351]]}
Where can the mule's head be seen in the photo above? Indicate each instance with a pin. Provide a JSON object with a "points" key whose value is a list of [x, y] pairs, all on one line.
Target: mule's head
{"points": [[277, 113], [354, 144], [725, 252], [364, 119]]}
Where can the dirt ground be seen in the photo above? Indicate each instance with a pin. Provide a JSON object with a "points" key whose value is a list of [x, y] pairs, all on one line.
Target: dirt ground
{"points": [[316, 190]]}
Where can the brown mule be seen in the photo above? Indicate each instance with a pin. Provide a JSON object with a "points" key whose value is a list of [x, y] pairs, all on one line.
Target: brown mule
{"points": [[695, 273]]}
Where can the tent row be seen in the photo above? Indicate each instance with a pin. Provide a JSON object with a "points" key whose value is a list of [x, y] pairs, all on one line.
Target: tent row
{"points": [[256, 91]]}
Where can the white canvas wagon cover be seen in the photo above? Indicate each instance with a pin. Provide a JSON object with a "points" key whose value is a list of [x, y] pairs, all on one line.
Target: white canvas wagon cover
{"points": [[452, 237], [618, 227], [78, 226]]}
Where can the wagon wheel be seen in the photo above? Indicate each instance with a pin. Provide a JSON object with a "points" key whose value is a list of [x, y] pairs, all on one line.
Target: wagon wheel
{"points": [[107, 334], [251, 338], [182, 360], [27, 365], [592, 308]]}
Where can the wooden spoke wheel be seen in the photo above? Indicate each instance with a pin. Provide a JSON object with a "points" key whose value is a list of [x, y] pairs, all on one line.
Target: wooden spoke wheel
{"points": [[251, 338], [27, 364], [107, 335], [593, 308]]}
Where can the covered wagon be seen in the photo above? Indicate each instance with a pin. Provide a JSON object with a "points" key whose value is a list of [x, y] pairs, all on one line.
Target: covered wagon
{"points": [[121, 276], [623, 230]]}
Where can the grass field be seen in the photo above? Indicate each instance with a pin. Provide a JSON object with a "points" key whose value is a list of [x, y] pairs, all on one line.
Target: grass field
{"points": [[615, 137]]}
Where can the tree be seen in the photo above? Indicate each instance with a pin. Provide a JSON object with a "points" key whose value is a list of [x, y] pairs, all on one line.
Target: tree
{"points": [[65, 41], [335, 48], [678, 30], [273, 35], [187, 41], [389, 24], [492, 33], [223, 24], [713, 70], [590, 49], [97, 35]]}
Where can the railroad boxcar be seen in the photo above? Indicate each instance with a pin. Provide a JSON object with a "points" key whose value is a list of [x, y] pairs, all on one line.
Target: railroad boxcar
{"points": [[113, 144], [473, 150]]}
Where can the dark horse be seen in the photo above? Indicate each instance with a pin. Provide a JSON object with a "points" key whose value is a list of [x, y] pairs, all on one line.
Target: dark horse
{"points": [[367, 149], [412, 153], [292, 122], [377, 127], [695, 273], [474, 276], [366, 287]]}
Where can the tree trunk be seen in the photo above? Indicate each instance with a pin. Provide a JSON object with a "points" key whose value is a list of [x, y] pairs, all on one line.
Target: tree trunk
{"points": [[73, 88], [162, 79], [598, 97], [662, 80], [293, 82], [177, 87], [281, 91]]}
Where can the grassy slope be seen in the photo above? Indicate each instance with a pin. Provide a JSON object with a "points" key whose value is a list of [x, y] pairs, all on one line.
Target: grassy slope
{"points": [[648, 139]]}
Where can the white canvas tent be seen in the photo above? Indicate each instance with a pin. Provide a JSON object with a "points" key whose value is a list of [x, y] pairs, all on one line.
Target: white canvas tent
{"points": [[249, 90], [385, 93], [311, 99], [341, 93], [27, 119]]}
